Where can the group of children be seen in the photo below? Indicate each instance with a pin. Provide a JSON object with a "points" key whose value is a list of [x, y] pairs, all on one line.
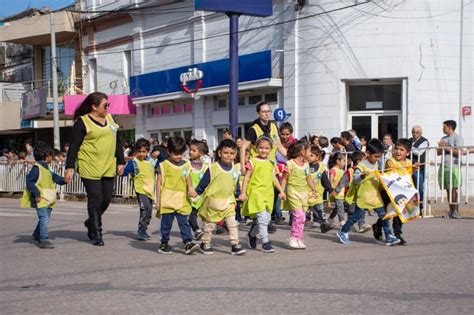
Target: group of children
{"points": [[192, 189]]}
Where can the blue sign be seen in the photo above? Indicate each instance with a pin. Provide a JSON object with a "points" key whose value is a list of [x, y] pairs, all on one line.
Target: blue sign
{"points": [[281, 115], [26, 123], [260, 8], [256, 66]]}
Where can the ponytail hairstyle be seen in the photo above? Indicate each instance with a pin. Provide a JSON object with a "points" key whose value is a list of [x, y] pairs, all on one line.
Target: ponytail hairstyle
{"points": [[86, 105], [334, 158], [295, 149]]}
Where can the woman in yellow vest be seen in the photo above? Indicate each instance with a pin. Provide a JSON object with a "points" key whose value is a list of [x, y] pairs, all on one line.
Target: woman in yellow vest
{"points": [[40, 192], [218, 188], [261, 127], [94, 153], [257, 192]]}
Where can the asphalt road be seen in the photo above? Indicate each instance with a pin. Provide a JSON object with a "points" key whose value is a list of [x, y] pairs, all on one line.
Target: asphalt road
{"points": [[432, 275]]}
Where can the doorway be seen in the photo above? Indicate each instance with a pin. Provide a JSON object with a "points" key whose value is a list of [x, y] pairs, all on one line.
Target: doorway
{"points": [[376, 125], [375, 108]]}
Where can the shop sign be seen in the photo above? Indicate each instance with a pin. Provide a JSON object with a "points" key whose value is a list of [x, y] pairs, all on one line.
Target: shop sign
{"points": [[466, 111], [194, 75], [33, 103]]}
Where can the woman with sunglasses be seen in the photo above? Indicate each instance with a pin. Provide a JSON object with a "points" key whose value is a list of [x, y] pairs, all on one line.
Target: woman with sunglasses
{"points": [[96, 155]]}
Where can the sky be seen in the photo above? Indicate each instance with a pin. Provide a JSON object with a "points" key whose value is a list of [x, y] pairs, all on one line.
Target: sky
{"points": [[11, 7]]}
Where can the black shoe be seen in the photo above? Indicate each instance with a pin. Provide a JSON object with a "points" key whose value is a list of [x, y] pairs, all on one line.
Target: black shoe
{"points": [[325, 227], [46, 244], [90, 235], [252, 240], [198, 235], [267, 248], [219, 230], [206, 249], [237, 250], [98, 241], [164, 249], [271, 228], [402, 241], [36, 237], [190, 247], [280, 221], [377, 232], [142, 235]]}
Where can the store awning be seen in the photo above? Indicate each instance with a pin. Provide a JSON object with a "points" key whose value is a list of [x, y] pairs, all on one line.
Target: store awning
{"points": [[120, 104]]}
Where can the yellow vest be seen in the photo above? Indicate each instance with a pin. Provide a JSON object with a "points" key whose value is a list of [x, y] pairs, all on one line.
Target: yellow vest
{"points": [[196, 176], [260, 187], [46, 187], [368, 195], [335, 181], [219, 197], [316, 178], [174, 191], [401, 167], [144, 181], [351, 192], [274, 135], [96, 156], [297, 187]]}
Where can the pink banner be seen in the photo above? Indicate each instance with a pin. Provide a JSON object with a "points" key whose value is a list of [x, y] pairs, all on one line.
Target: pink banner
{"points": [[119, 104]]}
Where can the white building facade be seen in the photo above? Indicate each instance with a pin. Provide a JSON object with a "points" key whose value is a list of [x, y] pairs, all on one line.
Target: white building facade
{"points": [[378, 67]]}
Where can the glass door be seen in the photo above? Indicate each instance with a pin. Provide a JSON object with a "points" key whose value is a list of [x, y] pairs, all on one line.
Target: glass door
{"points": [[375, 125]]}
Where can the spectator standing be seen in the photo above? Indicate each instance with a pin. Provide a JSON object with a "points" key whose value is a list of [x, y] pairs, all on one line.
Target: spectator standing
{"points": [[449, 177], [419, 146]]}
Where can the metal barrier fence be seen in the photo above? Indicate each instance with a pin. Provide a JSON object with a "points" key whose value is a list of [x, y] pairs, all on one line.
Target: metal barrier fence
{"points": [[13, 179], [440, 165]]}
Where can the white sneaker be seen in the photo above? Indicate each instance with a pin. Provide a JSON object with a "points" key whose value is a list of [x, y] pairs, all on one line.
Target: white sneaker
{"points": [[293, 243], [365, 228], [301, 244]]}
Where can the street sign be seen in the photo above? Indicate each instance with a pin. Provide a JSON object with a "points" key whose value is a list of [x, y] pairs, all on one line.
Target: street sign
{"points": [[260, 8], [280, 115]]}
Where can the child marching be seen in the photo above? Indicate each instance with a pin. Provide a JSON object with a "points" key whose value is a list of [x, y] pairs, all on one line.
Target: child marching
{"points": [[295, 182], [218, 187], [257, 192]]}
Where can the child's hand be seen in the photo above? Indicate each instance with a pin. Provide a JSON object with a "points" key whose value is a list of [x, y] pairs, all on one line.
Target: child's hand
{"points": [[334, 193], [282, 196], [243, 197], [38, 199], [192, 193], [416, 165]]}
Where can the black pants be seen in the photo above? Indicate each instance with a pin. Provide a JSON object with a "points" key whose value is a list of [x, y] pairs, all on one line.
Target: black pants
{"points": [[193, 222], [146, 207], [99, 193]]}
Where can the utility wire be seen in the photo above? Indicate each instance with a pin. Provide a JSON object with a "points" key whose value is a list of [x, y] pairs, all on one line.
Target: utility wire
{"points": [[239, 32]]}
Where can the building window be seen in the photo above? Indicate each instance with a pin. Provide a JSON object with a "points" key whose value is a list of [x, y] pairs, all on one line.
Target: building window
{"points": [[127, 67], [254, 99], [163, 135], [375, 97], [271, 97], [170, 108]]}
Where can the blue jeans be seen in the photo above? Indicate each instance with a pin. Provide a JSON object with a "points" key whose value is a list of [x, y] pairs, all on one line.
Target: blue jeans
{"points": [[42, 227], [358, 213], [276, 207], [167, 223], [420, 187]]}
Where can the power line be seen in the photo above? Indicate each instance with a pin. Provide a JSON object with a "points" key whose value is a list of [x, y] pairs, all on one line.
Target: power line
{"points": [[240, 31]]}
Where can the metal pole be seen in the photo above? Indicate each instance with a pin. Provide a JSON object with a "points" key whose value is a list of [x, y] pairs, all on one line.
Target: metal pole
{"points": [[234, 72], [57, 142], [461, 35]]}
